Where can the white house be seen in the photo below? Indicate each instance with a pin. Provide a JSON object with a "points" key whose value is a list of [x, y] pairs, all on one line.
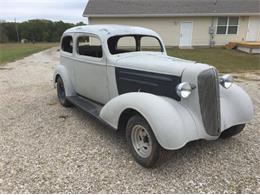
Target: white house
{"points": [[183, 23]]}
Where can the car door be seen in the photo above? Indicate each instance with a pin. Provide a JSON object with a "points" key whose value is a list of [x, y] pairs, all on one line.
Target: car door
{"points": [[90, 70]]}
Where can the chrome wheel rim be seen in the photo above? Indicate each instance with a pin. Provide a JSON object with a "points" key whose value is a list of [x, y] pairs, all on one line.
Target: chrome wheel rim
{"points": [[141, 141]]}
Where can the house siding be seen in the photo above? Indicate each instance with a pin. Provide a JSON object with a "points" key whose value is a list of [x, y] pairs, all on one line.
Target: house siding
{"points": [[169, 28]]}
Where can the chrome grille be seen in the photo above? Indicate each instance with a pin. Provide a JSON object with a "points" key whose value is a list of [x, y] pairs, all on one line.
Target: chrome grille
{"points": [[208, 86]]}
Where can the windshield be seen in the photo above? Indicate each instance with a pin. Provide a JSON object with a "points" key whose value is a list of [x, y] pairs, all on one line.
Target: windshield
{"points": [[134, 43]]}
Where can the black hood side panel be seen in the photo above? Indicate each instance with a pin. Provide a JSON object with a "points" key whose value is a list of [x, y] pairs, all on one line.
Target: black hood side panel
{"points": [[141, 81]]}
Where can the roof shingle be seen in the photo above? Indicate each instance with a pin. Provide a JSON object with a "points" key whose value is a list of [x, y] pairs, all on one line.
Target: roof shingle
{"points": [[171, 7]]}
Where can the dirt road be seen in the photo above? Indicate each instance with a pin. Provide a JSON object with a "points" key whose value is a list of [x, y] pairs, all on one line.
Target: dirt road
{"points": [[45, 148]]}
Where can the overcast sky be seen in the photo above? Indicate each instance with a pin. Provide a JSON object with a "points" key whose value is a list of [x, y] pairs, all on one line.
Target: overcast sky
{"points": [[66, 10]]}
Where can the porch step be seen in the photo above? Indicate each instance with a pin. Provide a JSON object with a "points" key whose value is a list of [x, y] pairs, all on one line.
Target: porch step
{"points": [[231, 45]]}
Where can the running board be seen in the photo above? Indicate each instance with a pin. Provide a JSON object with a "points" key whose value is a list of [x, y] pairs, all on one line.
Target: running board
{"points": [[86, 105]]}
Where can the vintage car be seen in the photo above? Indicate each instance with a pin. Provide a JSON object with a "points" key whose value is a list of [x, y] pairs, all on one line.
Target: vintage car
{"points": [[123, 76]]}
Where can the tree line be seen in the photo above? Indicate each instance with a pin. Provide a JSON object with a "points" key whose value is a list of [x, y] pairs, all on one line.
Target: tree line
{"points": [[33, 31]]}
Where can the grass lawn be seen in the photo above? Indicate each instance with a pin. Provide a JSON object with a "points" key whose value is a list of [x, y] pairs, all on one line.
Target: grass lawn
{"points": [[223, 59], [10, 52]]}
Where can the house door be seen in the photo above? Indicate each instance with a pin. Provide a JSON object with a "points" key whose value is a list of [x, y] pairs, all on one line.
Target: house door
{"points": [[253, 28], [186, 34]]}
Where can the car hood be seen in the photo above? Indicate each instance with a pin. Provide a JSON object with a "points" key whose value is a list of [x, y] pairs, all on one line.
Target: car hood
{"points": [[156, 62]]}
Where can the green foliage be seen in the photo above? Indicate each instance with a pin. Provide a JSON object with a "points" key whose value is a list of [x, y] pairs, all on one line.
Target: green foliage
{"points": [[3, 34], [34, 30]]}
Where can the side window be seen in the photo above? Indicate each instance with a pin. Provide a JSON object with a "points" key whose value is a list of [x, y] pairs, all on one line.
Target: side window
{"points": [[67, 44], [89, 46], [126, 44]]}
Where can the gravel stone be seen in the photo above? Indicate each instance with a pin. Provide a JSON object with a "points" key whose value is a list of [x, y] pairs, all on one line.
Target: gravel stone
{"points": [[46, 148]]}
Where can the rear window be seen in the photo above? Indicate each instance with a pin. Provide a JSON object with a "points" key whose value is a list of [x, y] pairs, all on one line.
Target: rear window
{"points": [[67, 44]]}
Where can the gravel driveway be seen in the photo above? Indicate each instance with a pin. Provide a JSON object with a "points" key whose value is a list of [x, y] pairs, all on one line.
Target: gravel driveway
{"points": [[45, 148]]}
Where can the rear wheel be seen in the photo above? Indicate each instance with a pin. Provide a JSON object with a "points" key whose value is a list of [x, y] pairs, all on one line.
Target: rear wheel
{"points": [[142, 142], [232, 131], [62, 93]]}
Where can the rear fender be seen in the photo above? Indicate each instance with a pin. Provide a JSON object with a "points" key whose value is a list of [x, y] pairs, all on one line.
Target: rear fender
{"points": [[171, 123], [63, 73]]}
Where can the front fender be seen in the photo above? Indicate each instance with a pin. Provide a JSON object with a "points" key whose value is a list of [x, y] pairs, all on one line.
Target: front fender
{"points": [[236, 107], [62, 71], [172, 123]]}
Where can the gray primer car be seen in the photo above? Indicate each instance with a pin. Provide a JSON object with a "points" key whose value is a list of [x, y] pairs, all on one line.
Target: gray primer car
{"points": [[159, 101]]}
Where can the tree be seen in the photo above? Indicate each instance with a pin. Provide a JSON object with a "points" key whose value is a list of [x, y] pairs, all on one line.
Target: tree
{"points": [[3, 33], [34, 30]]}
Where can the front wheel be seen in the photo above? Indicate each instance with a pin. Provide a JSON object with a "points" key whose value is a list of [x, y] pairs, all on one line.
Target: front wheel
{"points": [[142, 142], [232, 131]]}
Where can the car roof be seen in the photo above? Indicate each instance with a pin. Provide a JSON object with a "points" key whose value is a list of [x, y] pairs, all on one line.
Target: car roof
{"points": [[111, 30]]}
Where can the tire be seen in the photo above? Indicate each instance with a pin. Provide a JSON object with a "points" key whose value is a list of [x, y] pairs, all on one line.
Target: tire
{"points": [[142, 142], [62, 94], [232, 131]]}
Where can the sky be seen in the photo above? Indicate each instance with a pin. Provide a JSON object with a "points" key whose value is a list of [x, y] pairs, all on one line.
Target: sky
{"points": [[22, 10]]}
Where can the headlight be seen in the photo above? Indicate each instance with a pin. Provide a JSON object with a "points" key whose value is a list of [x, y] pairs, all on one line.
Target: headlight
{"points": [[226, 81], [184, 90]]}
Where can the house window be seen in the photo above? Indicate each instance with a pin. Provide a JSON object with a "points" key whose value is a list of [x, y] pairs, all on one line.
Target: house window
{"points": [[227, 25]]}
